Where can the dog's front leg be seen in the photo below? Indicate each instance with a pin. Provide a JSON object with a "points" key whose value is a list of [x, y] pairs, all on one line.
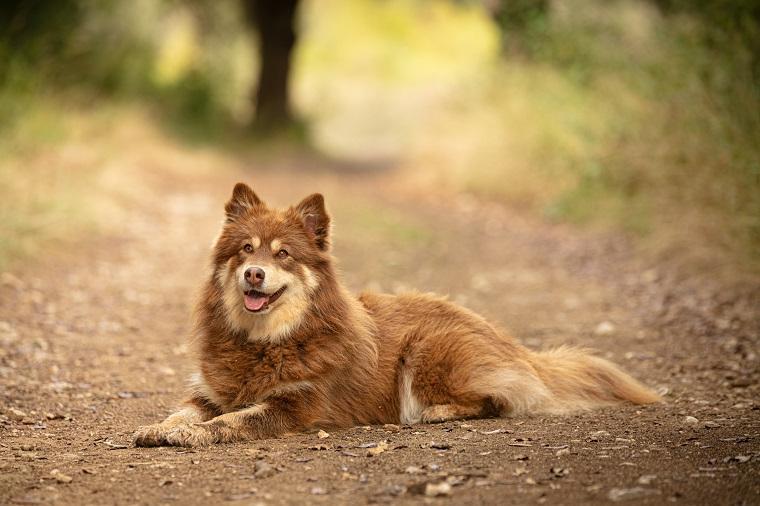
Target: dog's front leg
{"points": [[197, 409], [268, 419]]}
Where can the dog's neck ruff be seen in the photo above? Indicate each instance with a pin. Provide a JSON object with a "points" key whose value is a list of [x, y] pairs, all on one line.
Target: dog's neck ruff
{"points": [[273, 328]]}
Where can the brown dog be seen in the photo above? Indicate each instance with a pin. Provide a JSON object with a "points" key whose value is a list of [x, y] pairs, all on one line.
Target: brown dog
{"points": [[285, 347]]}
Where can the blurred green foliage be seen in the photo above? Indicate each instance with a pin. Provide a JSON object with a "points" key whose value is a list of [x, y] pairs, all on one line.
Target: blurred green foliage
{"points": [[641, 114], [682, 156], [191, 60]]}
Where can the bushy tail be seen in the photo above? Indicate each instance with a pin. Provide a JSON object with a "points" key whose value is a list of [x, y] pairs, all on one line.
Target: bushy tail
{"points": [[578, 380]]}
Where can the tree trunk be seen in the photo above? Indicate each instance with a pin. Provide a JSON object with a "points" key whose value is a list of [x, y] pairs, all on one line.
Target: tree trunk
{"points": [[274, 22], [514, 18], [517, 14]]}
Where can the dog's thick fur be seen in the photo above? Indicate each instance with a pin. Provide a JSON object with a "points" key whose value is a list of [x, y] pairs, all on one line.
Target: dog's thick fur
{"points": [[319, 357]]}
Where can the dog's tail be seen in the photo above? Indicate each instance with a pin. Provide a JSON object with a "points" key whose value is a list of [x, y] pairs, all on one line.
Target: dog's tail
{"points": [[578, 380]]}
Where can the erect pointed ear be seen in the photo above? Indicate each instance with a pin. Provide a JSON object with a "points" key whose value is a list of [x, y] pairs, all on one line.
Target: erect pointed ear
{"points": [[315, 219], [243, 199]]}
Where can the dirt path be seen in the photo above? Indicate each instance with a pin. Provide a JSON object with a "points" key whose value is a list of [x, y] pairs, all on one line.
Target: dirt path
{"points": [[92, 345]]}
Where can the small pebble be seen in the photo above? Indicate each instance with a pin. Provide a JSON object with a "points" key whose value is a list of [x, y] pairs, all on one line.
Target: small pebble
{"points": [[15, 414], [262, 469], [598, 435], [377, 450], [604, 329], [437, 489], [60, 477], [630, 494], [394, 490]]}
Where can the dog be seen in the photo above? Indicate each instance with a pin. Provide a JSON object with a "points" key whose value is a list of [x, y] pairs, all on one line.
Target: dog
{"points": [[284, 347]]}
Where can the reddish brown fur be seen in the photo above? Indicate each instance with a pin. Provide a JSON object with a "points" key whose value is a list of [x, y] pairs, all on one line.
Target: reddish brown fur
{"points": [[344, 361]]}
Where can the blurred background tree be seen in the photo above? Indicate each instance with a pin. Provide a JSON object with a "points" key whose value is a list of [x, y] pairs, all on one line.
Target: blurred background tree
{"points": [[37, 30], [274, 21]]}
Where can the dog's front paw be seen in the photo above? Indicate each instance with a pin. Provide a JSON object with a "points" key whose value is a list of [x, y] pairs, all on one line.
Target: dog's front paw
{"points": [[150, 435], [190, 435]]}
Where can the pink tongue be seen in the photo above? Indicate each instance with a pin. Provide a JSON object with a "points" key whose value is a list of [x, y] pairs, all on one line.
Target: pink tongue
{"points": [[254, 303]]}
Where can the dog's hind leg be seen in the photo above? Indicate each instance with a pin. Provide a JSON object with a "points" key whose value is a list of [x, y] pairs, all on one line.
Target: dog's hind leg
{"points": [[445, 412]]}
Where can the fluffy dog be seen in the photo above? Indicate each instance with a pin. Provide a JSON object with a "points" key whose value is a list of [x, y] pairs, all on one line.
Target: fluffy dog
{"points": [[283, 346]]}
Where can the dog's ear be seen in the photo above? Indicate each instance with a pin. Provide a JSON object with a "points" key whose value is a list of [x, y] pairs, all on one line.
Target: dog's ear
{"points": [[243, 199], [315, 219]]}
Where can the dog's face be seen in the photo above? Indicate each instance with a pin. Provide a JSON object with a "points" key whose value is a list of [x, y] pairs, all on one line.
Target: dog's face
{"points": [[268, 262]]}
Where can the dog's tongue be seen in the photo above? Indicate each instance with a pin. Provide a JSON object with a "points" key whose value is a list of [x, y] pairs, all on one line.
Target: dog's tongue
{"points": [[255, 302]]}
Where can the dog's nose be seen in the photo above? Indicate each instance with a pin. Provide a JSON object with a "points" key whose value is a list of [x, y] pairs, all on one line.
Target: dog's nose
{"points": [[255, 275]]}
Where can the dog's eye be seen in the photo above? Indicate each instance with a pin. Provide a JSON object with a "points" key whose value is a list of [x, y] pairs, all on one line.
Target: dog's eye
{"points": [[248, 248], [282, 254]]}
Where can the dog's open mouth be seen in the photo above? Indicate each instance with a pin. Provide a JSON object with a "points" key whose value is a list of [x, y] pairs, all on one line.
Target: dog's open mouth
{"points": [[258, 301]]}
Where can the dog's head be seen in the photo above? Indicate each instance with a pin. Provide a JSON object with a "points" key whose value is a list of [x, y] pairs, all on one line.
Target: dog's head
{"points": [[268, 263]]}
